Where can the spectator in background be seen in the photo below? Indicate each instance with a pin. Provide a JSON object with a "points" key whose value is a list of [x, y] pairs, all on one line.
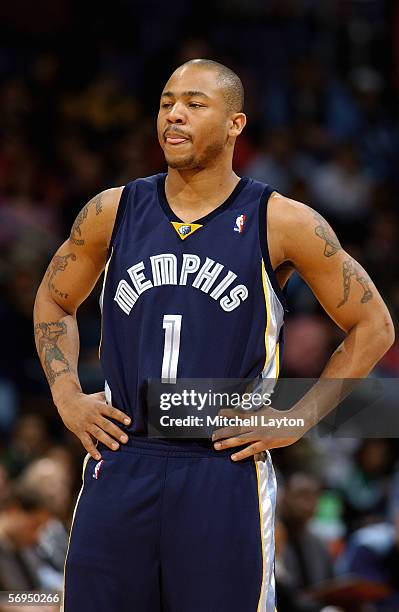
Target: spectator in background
{"points": [[373, 554], [305, 556], [30, 441], [52, 478], [302, 558], [22, 517], [364, 487]]}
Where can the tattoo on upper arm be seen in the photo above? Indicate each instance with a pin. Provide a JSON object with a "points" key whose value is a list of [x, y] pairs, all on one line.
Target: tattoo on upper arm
{"points": [[351, 268], [54, 361], [324, 231], [58, 263], [76, 232], [98, 199]]}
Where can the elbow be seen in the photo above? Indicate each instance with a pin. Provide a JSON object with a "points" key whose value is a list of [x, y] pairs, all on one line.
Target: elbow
{"points": [[46, 305], [39, 299], [377, 334], [390, 332], [43, 296], [384, 334]]}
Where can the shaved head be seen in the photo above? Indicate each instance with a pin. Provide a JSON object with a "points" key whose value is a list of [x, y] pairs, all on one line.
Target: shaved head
{"points": [[228, 80]]}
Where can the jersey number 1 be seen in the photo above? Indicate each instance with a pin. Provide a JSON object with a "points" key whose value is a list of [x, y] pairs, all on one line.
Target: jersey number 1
{"points": [[171, 349]]}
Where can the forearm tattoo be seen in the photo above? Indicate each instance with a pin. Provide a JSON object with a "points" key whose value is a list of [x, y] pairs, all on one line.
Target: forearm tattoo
{"points": [[76, 231], [351, 268], [324, 231], [53, 359]]}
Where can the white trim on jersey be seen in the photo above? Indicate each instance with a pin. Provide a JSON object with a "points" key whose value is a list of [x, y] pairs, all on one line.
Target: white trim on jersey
{"points": [[267, 489], [274, 322]]}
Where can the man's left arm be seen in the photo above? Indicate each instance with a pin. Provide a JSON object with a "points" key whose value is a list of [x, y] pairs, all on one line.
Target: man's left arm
{"points": [[302, 240], [340, 284]]}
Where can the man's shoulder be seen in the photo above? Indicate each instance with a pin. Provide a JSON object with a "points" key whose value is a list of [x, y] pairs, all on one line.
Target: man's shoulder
{"points": [[290, 216], [290, 225]]}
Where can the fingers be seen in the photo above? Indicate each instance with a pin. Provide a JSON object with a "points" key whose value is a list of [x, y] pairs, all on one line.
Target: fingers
{"points": [[234, 430], [103, 437], [249, 451], [226, 432], [89, 446], [236, 441], [112, 429], [98, 431], [259, 446], [116, 414], [100, 395], [91, 427]]}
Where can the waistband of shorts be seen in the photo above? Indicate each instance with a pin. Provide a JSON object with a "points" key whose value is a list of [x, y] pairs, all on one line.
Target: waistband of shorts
{"points": [[172, 448]]}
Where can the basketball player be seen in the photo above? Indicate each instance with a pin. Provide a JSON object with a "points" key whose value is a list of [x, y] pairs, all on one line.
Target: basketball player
{"points": [[195, 261]]}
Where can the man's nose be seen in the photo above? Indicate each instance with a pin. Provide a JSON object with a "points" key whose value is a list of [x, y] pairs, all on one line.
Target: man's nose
{"points": [[176, 114]]}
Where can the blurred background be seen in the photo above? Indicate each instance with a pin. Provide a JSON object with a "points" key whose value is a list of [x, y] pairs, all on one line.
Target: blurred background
{"points": [[79, 90]]}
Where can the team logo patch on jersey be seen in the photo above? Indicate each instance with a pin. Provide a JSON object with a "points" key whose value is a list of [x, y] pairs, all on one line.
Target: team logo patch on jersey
{"points": [[97, 469], [184, 230], [239, 224]]}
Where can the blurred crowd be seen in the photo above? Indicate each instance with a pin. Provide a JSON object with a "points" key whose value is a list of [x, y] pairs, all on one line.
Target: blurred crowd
{"points": [[79, 88]]}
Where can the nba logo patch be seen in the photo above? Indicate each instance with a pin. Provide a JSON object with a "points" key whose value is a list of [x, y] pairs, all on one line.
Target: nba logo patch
{"points": [[239, 224], [97, 469]]}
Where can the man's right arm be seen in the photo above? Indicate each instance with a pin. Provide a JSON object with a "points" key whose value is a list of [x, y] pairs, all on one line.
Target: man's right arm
{"points": [[69, 279]]}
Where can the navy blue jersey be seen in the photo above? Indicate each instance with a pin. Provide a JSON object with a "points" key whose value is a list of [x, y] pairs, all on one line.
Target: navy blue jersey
{"points": [[187, 300]]}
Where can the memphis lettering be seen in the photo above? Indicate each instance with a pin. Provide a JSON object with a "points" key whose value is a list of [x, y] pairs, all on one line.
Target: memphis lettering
{"points": [[209, 276]]}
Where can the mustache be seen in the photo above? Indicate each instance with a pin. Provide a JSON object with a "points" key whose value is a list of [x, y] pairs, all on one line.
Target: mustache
{"points": [[170, 130]]}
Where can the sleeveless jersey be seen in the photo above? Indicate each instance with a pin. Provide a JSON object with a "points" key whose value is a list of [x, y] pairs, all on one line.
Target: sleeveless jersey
{"points": [[187, 300]]}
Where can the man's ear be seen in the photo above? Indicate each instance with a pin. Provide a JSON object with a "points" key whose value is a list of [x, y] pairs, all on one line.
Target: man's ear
{"points": [[238, 123]]}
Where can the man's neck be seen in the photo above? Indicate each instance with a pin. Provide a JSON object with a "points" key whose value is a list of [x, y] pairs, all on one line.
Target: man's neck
{"points": [[194, 193]]}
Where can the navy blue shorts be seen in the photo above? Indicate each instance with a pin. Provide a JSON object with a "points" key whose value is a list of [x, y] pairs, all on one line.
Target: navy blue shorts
{"points": [[164, 528]]}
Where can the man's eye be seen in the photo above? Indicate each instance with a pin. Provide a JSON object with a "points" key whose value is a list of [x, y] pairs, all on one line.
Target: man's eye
{"points": [[195, 105], [166, 105]]}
